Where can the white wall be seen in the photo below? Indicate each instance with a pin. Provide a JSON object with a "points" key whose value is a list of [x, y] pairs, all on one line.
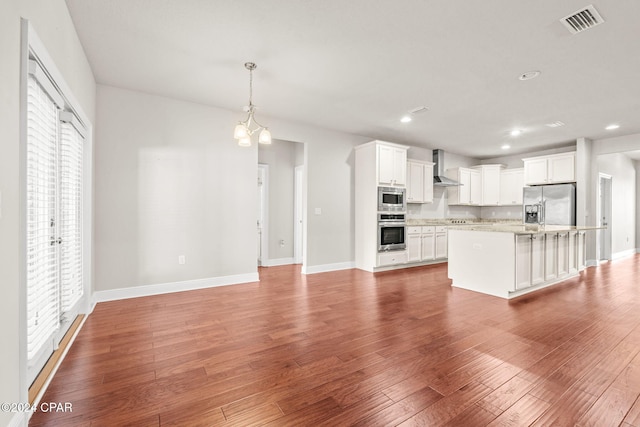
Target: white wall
{"points": [[52, 22], [170, 181]]}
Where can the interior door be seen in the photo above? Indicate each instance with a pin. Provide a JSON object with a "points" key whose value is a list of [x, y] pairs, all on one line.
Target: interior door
{"points": [[605, 217]]}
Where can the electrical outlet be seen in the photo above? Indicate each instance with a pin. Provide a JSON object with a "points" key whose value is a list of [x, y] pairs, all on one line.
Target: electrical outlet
{"points": [[182, 259], [282, 243]]}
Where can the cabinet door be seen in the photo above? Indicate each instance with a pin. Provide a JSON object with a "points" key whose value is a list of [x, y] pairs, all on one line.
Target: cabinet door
{"points": [[427, 195], [535, 171], [392, 258], [573, 252], [490, 186], [475, 186], [551, 257], [414, 246], [537, 259], [511, 184], [385, 165], [563, 254], [562, 168], [523, 261], [441, 244], [581, 256], [428, 245], [399, 166], [415, 182], [464, 189]]}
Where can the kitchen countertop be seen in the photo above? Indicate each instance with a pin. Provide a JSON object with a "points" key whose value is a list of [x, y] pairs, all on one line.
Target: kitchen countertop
{"points": [[461, 222], [522, 228]]}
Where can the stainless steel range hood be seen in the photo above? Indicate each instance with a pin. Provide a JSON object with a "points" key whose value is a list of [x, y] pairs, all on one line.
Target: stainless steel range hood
{"points": [[439, 178]]}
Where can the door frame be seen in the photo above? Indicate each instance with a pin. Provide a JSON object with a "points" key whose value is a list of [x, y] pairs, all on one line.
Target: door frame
{"points": [[298, 214], [262, 222], [604, 217]]}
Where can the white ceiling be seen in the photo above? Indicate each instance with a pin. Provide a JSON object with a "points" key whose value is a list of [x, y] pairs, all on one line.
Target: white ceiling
{"points": [[357, 66]]}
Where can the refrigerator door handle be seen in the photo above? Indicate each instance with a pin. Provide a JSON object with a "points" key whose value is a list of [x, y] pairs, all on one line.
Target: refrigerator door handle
{"points": [[543, 208]]}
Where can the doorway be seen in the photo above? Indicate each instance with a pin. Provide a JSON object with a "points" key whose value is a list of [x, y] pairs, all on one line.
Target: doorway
{"points": [[281, 203], [604, 217]]}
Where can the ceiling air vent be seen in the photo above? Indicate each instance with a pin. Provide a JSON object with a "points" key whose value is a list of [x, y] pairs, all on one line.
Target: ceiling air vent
{"points": [[582, 20]]}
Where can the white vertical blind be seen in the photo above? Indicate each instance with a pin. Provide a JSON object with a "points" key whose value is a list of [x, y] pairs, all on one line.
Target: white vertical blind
{"points": [[42, 204], [71, 142]]}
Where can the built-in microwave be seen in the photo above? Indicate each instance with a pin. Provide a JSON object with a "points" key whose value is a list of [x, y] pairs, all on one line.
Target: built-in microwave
{"points": [[391, 232], [391, 199]]}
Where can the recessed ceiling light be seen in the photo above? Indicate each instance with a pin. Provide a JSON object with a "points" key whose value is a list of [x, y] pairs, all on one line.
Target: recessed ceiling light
{"points": [[516, 132], [406, 119], [612, 127], [555, 124], [529, 75], [505, 146]]}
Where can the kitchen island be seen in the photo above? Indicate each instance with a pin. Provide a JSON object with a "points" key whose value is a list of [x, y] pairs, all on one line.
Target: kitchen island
{"points": [[511, 260]]}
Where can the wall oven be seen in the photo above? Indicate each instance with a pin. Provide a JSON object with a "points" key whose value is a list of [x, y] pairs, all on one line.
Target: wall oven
{"points": [[391, 232], [391, 199]]}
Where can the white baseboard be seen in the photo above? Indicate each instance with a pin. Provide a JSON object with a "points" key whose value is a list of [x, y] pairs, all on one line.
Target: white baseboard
{"points": [[278, 261], [328, 267], [623, 254], [165, 288]]}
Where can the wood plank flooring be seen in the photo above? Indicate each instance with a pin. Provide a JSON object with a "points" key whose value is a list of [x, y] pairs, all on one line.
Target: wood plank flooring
{"points": [[353, 348]]}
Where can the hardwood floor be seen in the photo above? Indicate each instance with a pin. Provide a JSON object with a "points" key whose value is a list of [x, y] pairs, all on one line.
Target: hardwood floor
{"points": [[353, 348]]}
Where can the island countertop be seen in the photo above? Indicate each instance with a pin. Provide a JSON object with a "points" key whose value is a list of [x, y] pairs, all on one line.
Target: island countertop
{"points": [[522, 228]]}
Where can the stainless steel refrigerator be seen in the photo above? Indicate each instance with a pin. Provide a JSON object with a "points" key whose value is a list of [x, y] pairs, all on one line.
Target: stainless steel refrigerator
{"points": [[550, 204]]}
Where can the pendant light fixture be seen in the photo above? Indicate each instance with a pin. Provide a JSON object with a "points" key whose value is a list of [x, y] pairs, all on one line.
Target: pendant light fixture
{"points": [[243, 131]]}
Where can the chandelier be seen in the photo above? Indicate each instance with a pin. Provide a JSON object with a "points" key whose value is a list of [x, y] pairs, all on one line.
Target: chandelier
{"points": [[243, 130]]}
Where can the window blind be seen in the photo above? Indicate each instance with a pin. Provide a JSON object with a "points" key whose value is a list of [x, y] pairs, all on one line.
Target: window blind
{"points": [[42, 274], [71, 143]]}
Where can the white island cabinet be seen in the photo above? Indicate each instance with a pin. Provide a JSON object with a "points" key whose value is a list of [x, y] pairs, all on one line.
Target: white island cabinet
{"points": [[509, 261]]}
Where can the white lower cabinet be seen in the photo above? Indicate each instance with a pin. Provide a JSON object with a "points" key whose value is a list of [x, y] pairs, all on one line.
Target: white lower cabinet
{"points": [[548, 257], [580, 248], [414, 244], [441, 242], [530, 260], [537, 259], [523, 261], [392, 258], [563, 254], [426, 243]]}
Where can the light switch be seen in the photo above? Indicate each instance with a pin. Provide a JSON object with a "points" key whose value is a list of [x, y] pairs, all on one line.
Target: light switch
{"points": [[318, 211]]}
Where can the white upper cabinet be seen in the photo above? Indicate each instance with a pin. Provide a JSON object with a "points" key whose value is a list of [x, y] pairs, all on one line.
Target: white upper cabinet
{"points": [[419, 182], [553, 169], [469, 192], [490, 184], [392, 165], [511, 184]]}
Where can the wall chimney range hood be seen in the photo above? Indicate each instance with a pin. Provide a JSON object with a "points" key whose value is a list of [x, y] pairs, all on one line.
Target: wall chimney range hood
{"points": [[439, 178]]}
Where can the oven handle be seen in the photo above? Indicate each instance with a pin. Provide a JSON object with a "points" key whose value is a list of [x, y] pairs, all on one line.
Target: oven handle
{"points": [[392, 224]]}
